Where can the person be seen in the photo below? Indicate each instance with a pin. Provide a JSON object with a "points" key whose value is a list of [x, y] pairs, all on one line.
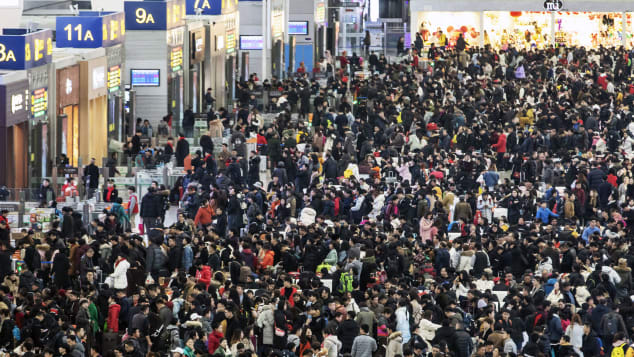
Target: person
{"points": [[367, 42], [400, 46], [188, 123], [91, 178], [209, 99], [45, 194], [182, 150], [133, 206], [363, 345], [150, 209], [110, 192]]}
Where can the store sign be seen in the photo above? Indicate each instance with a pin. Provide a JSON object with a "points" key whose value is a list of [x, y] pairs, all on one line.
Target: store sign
{"points": [[320, 12], [229, 6], [553, 5], [277, 23], [22, 50], [91, 29], [231, 42], [15, 103], [39, 103], [176, 59], [154, 15], [114, 78], [69, 86], [98, 77], [204, 7]]}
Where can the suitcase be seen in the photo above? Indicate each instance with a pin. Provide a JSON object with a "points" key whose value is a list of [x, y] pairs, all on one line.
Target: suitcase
{"points": [[110, 341]]}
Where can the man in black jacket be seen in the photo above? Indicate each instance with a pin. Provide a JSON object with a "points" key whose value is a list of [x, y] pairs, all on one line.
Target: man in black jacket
{"points": [[182, 150], [91, 178], [151, 205]]}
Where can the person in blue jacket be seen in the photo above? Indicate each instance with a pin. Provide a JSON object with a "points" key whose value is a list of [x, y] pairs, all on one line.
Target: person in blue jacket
{"points": [[544, 213]]}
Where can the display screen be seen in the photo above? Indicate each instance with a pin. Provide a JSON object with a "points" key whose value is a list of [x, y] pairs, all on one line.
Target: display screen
{"points": [[176, 59], [39, 102], [298, 27], [251, 42], [145, 77]]}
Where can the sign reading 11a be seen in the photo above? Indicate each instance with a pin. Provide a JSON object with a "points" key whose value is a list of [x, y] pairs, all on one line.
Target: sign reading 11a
{"points": [[91, 29]]}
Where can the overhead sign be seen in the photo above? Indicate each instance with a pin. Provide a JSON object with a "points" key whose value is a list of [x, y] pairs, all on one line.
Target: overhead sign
{"points": [[90, 29], [229, 6], [320, 12], [204, 7], [553, 5], [154, 15], [22, 50]]}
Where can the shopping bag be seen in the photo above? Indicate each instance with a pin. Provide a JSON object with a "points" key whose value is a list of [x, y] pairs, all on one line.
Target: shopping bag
{"points": [[141, 229]]}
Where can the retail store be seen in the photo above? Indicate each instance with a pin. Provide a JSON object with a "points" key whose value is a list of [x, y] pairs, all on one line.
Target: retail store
{"points": [[14, 126], [32, 51], [93, 108], [195, 46], [156, 30], [99, 121], [523, 24], [67, 111]]}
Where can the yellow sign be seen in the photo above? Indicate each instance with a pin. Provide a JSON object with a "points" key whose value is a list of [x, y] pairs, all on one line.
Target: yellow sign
{"points": [[176, 59]]}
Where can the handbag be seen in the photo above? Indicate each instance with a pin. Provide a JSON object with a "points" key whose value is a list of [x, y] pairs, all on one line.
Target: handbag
{"points": [[279, 332]]}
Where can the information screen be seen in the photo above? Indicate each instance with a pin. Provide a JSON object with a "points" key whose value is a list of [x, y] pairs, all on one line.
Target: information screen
{"points": [[145, 77]]}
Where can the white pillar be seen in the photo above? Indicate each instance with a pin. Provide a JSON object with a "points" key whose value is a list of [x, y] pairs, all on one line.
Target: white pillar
{"points": [[481, 29], [624, 29], [552, 28], [265, 43]]}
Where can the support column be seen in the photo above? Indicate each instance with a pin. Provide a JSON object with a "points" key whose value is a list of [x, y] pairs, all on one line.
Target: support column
{"points": [[481, 29], [552, 28], [624, 29]]}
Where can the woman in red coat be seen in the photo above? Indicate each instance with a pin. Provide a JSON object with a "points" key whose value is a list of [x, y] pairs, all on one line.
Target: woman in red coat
{"points": [[113, 315]]}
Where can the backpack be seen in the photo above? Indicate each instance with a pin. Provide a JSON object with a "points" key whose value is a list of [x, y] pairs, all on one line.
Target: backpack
{"points": [[611, 324], [161, 339], [392, 267], [620, 351], [345, 282], [600, 343]]}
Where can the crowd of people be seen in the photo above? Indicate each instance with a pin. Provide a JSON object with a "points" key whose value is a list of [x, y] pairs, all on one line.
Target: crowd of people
{"points": [[471, 203]]}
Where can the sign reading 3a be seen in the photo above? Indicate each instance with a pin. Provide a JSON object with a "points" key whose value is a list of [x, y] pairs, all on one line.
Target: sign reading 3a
{"points": [[20, 49], [90, 29], [154, 15]]}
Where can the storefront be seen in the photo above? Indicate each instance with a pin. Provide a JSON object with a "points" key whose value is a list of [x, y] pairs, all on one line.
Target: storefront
{"points": [[14, 126], [156, 31], [523, 23], [222, 23], [67, 111], [278, 21], [32, 51], [93, 109], [92, 29]]}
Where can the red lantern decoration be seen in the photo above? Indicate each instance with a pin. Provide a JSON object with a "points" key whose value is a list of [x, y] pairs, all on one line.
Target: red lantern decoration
{"points": [[450, 29], [516, 13], [463, 29], [474, 34]]}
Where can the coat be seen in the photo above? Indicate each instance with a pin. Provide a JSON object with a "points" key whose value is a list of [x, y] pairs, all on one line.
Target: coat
{"points": [[266, 322], [182, 150], [332, 345], [113, 317], [427, 329], [120, 275], [394, 345]]}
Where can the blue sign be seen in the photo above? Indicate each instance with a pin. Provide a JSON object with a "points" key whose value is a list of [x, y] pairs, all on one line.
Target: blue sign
{"points": [[90, 30], [21, 50], [207, 7], [154, 15]]}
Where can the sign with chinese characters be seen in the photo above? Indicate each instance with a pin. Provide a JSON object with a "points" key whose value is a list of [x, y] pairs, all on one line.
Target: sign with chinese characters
{"points": [[320, 12], [20, 49], [15, 103], [39, 103], [91, 29], [231, 42], [114, 78], [277, 23], [98, 77], [176, 59], [154, 15]]}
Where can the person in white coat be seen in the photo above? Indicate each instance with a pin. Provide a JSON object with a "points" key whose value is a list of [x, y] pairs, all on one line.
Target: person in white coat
{"points": [[402, 320], [119, 277], [426, 328], [575, 332], [331, 343]]}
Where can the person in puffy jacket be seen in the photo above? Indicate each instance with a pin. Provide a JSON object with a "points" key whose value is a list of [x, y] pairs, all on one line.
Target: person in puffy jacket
{"points": [[203, 274], [155, 259], [267, 258], [215, 337], [119, 276], [113, 314]]}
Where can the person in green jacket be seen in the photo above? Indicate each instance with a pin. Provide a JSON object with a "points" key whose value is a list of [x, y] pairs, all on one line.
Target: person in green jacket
{"points": [[223, 350], [331, 258]]}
